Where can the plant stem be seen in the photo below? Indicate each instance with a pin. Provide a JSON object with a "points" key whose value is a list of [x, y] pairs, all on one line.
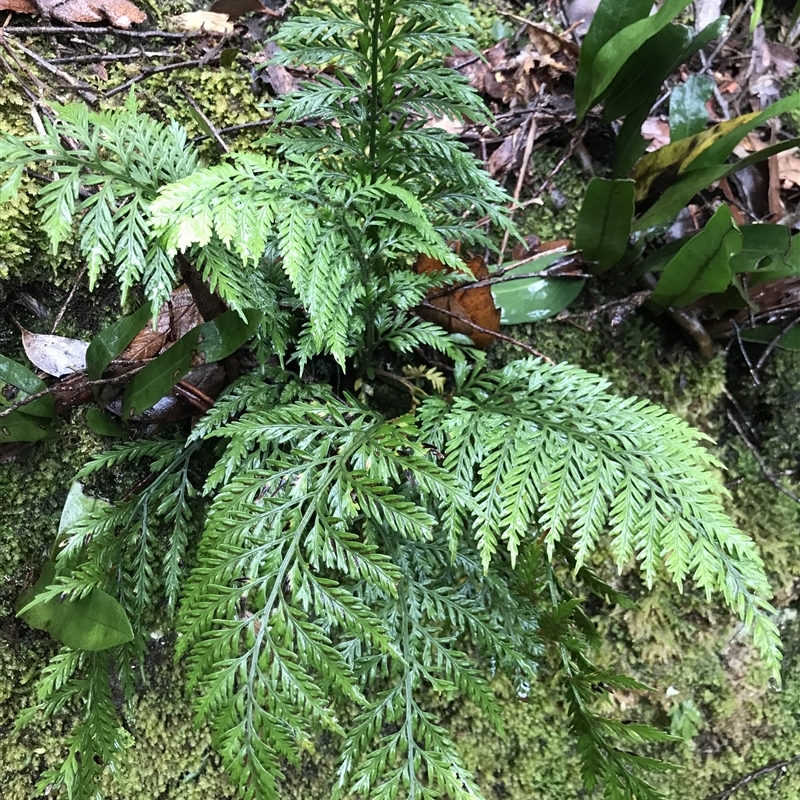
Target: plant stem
{"points": [[374, 57]]}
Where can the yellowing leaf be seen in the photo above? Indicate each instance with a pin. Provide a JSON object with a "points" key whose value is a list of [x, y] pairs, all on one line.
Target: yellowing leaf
{"points": [[674, 158]]}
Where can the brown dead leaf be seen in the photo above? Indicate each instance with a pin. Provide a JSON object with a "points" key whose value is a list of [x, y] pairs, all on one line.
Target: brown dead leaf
{"points": [[176, 317], [18, 6], [473, 305], [656, 131], [555, 50], [789, 167], [118, 13], [55, 355]]}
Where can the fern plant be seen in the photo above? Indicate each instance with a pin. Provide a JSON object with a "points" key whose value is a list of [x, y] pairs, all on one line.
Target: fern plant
{"points": [[359, 555]]}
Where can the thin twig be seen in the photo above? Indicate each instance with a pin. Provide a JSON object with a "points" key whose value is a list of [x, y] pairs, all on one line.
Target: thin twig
{"points": [[759, 460], [71, 294], [745, 354], [260, 123], [50, 390], [771, 346], [83, 89], [781, 766], [58, 30], [209, 125], [526, 157], [148, 73], [487, 331], [102, 58]]}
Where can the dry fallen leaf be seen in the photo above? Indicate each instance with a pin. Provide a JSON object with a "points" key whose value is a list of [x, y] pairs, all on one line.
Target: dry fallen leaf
{"points": [[18, 6], [656, 131], [55, 355], [196, 21], [118, 13], [471, 304], [175, 318], [789, 167]]}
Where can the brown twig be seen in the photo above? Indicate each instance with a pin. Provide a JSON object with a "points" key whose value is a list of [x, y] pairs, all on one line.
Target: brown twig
{"points": [[101, 58], [242, 126], [59, 30], [51, 390], [487, 331], [759, 460], [778, 766], [209, 124], [148, 73], [526, 157], [71, 294], [80, 88]]}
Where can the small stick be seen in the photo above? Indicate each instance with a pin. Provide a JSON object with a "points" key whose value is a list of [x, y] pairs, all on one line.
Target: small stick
{"points": [[481, 329], [526, 157], [58, 30], [195, 62], [83, 89], [199, 111], [760, 461], [71, 294]]}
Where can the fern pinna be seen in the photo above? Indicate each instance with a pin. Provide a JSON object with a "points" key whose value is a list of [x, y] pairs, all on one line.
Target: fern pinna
{"points": [[357, 560]]}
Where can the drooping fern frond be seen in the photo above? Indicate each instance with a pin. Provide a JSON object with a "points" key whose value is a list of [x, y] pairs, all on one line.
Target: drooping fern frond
{"points": [[549, 453]]}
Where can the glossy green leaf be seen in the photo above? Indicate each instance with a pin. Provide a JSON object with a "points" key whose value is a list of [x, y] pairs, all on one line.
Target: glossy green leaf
{"points": [[216, 339], [20, 427], [688, 114], [77, 506], [630, 145], [612, 56], [610, 18], [639, 81], [702, 266], [28, 383], [111, 341], [604, 221], [534, 299], [766, 334], [673, 199], [104, 425], [151, 384], [94, 622], [224, 335], [761, 246], [720, 150]]}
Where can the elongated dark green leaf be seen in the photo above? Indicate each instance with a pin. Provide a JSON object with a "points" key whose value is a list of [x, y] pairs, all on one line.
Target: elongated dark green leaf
{"points": [[616, 51], [216, 339], [688, 114], [109, 343], [718, 152], [159, 376], [94, 622], [765, 334], [631, 145], [760, 244], [28, 383], [702, 266], [609, 19], [692, 181], [104, 425], [534, 299], [19, 427], [224, 335], [604, 222], [639, 81]]}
